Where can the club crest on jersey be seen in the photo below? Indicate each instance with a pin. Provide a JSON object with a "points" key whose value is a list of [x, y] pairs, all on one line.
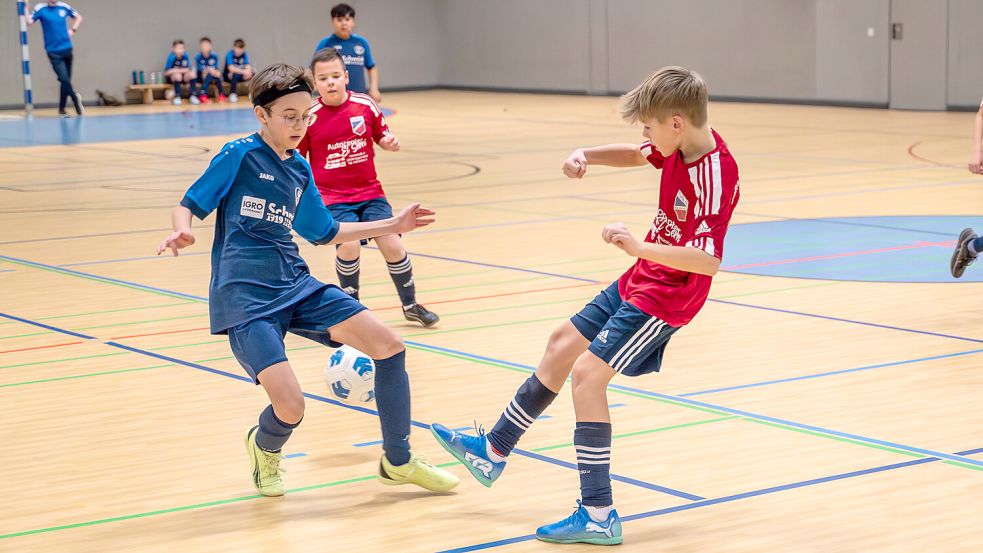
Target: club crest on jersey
{"points": [[358, 124], [313, 118], [297, 194], [359, 49], [681, 206]]}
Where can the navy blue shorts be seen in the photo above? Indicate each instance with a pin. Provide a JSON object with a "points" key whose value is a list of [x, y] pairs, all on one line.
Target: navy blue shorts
{"points": [[375, 209], [628, 340], [258, 344]]}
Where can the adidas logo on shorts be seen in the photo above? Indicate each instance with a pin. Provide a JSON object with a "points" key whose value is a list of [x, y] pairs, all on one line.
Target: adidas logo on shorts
{"points": [[603, 336]]}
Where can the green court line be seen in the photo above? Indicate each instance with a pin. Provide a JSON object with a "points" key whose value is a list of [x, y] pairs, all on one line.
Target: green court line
{"points": [[26, 335], [641, 432], [479, 327], [97, 279], [190, 345], [131, 323], [118, 310], [502, 308], [62, 360], [776, 290], [85, 375], [695, 407], [192, 507], [957, 464]]}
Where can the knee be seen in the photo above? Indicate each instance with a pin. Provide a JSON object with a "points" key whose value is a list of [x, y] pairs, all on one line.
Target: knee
{"points": [[563, 341], [349, 250], [587, 376], [386, 345], [290, 409]]}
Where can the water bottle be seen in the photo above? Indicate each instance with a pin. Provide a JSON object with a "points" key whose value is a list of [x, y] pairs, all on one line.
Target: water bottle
{"points": [[141, 77], [135, 77]]}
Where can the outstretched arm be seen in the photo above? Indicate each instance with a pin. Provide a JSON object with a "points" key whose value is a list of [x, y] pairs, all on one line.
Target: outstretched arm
{"points": [[182, 236], [612, 155], [408, 219]]}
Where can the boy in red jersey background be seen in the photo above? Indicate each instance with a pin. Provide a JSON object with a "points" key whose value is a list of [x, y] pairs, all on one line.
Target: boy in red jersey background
{"points": [[339, 143]]}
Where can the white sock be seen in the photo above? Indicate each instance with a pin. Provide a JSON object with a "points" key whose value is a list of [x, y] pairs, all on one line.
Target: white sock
{"points": [[599, 514], [410, 306], [490, 451], [971, 249]]}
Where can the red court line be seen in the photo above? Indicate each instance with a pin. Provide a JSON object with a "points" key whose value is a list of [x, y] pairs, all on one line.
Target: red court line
{"points": [[44, 347], [499, 295], [911, 152], [916, 245], [158, 333]]}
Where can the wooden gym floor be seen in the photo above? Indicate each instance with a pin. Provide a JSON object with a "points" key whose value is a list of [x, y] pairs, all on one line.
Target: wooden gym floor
{"points": [[798, 412]]}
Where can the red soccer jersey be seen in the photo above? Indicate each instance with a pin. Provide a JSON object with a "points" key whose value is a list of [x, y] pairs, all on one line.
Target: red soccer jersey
{"points": [[339, 141], [696, 201]]}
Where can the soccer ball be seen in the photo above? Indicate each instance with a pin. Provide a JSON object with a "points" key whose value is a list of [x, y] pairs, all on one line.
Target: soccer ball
{"points": [[350, 376]]}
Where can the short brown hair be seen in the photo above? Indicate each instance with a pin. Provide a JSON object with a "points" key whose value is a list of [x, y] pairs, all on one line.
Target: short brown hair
{"points": [[278, 76], [325, 55], [672, 90], [239, 43], [176, 42]]}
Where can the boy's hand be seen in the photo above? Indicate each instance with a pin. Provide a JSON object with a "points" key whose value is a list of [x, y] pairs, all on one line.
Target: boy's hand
{"points": [[619, 235], [389, 143], [612, 229], [375, 95], [413, 217], [976, 163], [176, 241], [575, 166]]}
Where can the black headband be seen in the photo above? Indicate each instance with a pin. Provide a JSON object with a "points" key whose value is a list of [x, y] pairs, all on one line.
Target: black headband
{"points": [[271, 94]]}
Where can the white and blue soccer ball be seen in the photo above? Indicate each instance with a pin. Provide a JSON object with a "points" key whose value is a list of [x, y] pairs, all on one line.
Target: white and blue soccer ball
{"points": [[350, 376]]}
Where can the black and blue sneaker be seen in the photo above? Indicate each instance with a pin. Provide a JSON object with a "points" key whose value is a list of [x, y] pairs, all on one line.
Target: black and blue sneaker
{"points": [[581, 528], [472, 451]]}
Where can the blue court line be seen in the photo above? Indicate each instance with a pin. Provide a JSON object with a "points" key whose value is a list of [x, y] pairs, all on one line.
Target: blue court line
{"points": [[746, 414], [103, 278], [831, 373], [841, 320], [47, 327], [54, 238], [379, 442], [496, 266], [725, 499], [614, 405], [366, 410], [124, 260], [292, 455], [7, 270]]}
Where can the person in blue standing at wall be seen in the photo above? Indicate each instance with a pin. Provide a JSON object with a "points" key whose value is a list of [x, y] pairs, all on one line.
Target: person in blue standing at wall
{"points": [[54, 18], [363, 75]]}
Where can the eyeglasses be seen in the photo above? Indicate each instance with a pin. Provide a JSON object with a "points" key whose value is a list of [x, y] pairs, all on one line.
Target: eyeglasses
{"points": [[293, 120]]}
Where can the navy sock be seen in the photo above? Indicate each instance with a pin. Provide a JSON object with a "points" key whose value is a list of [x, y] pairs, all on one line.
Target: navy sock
{"points": [[392, 400], [235, 83], [177, 89], [273, 432], [348, 275], [206, 84], [592, 440], [529, 402], [402, 274], [976, 246]]}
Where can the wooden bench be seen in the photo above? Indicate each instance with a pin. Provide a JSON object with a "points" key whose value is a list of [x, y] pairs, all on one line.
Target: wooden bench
{"points": [[148, 90]]}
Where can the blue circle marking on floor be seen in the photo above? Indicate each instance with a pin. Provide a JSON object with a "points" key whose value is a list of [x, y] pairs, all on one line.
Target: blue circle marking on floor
{"points": [[868, 249]]}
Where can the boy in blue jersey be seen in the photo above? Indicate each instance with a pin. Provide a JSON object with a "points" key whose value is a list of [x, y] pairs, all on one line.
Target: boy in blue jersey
{"points": [[237, 68], [178, 70], [354, 50], [206, 63], [58, 44], [261, 288]]}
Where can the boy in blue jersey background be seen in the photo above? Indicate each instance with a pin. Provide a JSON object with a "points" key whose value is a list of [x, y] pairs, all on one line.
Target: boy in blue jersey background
{"points": [[355, 52], [261, 288], [206, 64], [58, 45], [237, 68], [178, 70]]}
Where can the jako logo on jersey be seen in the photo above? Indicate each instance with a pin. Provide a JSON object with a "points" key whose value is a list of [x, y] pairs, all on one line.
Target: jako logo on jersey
{"points": [[266, 176], [681, 206], [359, 49], [603, 336], [252, 207], [358, 124], [477, 462], [297, 194]]}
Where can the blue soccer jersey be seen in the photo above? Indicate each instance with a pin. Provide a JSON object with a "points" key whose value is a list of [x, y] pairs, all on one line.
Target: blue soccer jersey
{"points": [[206, 62], [232, 59], [256, 266], [173, 61], [53, 24], [357, 57]]}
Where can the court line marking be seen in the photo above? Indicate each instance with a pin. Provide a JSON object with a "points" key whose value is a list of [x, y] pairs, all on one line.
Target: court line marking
{"points": [[725, 499]]}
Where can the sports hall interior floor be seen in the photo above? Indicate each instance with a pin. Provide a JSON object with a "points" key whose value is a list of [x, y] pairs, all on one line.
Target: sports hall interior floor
{"points": [[826, 399]]}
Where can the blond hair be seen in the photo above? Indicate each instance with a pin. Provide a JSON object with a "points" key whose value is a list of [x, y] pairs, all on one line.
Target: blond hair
{"points": [[672, 90], [278, 76]]}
